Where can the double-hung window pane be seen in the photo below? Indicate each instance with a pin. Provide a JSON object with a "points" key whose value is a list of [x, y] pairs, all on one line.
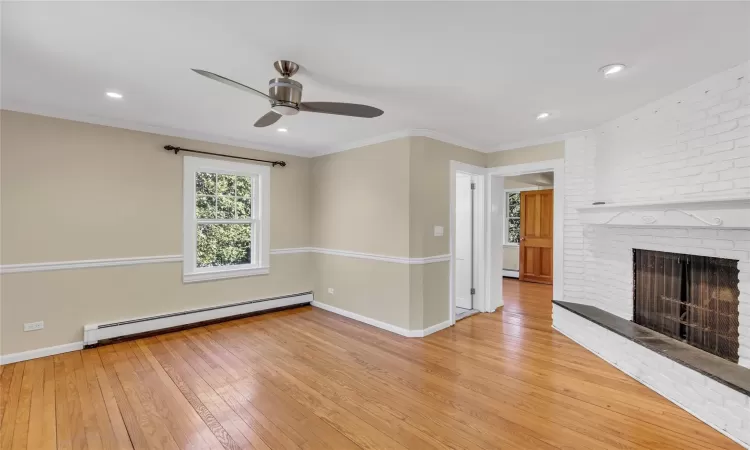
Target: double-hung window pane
{"points": [[225, 219], [513, 218]]}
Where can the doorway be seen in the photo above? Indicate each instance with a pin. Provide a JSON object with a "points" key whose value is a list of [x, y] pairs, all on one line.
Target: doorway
{"points": [[532, 251], [464, 244]]}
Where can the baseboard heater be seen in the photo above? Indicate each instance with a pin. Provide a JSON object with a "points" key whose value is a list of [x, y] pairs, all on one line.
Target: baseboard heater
{"points": [[105, 333]]}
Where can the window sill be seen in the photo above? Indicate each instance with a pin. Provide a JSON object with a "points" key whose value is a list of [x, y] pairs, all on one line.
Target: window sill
{"points": [[511, 244], [224, 274]]}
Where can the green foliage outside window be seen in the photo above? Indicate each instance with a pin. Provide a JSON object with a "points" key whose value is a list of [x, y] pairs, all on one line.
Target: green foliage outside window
{"points": [[514, 217], [223, 197]]}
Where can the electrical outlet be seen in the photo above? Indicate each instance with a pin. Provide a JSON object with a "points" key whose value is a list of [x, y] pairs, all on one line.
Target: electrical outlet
{"points": [[33, 326], [331, 291]]}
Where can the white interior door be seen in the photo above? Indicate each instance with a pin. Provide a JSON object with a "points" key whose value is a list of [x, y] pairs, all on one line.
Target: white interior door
{"points": [[464, 247]]}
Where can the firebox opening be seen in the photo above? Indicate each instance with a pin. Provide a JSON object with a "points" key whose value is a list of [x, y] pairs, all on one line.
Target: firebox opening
{"points": [[691, 298]]}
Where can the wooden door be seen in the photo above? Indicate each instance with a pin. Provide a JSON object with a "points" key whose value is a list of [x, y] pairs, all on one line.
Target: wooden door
{"points": [[535, 252]]}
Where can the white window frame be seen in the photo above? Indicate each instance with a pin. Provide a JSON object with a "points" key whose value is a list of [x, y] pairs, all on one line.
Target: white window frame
{"points": [[260, 220], [507, 211]]}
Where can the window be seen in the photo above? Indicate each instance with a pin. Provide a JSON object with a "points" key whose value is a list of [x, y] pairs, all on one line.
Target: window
{"points": [[226, 219], [512, 217]]}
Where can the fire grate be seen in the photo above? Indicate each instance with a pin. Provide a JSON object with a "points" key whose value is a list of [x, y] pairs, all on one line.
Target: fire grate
{"points": [[691, 298]]}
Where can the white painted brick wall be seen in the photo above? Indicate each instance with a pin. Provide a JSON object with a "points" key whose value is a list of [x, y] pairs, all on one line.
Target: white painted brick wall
{"points": [[691, 144], [719, 406]]}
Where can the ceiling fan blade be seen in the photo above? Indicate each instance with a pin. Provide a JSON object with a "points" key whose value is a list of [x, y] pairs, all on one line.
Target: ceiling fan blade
{"points": [[232, 83], [341, 109], [268, 118]]}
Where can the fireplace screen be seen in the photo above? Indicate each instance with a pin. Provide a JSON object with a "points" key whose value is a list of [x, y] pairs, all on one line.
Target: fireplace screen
{"points": [[691, 298]]}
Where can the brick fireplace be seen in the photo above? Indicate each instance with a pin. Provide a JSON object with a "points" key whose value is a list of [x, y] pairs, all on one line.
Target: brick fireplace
{"points": [[674, 177]]}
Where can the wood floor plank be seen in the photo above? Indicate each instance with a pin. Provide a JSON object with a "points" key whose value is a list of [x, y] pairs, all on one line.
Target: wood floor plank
{"points": [[309, 379], [7, 427], [21, 429], [5, 382]]}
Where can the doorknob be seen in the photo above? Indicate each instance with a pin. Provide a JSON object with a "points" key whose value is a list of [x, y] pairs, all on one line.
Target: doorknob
{"points": [[523, 238]]}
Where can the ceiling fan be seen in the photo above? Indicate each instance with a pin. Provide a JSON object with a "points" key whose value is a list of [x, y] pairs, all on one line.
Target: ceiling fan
{"points": [[285, 96]]}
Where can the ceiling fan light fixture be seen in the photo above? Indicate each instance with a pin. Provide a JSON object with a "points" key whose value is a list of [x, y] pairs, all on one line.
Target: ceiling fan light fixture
{"points": [[611, 69], [285, 110]]}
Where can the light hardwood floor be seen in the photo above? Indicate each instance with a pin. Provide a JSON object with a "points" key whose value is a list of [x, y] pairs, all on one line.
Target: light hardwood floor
{"points": [[306, 378]]}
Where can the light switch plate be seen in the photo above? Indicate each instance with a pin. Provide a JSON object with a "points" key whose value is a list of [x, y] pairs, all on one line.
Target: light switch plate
{"points": [[437, 230]]}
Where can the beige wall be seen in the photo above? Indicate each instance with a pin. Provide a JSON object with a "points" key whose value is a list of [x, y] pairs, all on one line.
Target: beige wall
{"points": [[430, 206], [375, 289], [360, 199], [385, 199], [76, 191], [534, 153]]}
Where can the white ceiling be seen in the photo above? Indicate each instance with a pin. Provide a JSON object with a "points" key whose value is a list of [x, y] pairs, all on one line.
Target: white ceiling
{"points": [[474, 73]]}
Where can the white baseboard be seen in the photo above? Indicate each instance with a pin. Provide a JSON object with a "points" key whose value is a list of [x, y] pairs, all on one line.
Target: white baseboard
{"points": [[510, 273], [435, 328], [40, 353], [382, 325], [94, 333]]}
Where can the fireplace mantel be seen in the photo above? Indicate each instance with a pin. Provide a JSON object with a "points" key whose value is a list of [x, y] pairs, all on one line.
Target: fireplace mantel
{"points": [[716, 212]]}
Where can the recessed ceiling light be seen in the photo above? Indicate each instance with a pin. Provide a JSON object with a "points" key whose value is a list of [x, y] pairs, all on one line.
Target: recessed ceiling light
{"points": [[114, 95], [282, 130], [611, 69], [542, 116]]}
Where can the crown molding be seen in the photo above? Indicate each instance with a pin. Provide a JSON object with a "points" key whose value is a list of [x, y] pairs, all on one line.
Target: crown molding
{"points": [[392, 136], [61, 113], [530, 142]]}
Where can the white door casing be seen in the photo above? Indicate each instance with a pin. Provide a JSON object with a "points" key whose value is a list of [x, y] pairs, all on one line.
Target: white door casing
{"points": [[464, 253]]}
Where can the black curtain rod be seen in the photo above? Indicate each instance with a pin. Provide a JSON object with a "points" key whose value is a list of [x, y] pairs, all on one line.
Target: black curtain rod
{"points": [[180, 149]]}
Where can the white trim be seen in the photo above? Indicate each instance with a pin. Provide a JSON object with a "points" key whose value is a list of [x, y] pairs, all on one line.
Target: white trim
{"points": [[110, 262], [59, 113], [260, 220], [87, 263], [540, 141], [510, 273], [363, 319], [391, 136], [96, 332], [435, 328], [480, 232], [497, 212], [717, 212], [40, 353], [382, 325], [290, 251], [224, 274], [384, 258], [643, 382]]}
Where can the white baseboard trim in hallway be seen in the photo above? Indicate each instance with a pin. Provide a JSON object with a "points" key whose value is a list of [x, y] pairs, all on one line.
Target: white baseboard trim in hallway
{"points": [[40, 353], [382, 325], [510, 273]]}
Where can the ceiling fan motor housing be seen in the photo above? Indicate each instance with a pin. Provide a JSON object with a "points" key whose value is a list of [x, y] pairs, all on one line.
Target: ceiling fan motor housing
{"points": [[287, 94]]}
